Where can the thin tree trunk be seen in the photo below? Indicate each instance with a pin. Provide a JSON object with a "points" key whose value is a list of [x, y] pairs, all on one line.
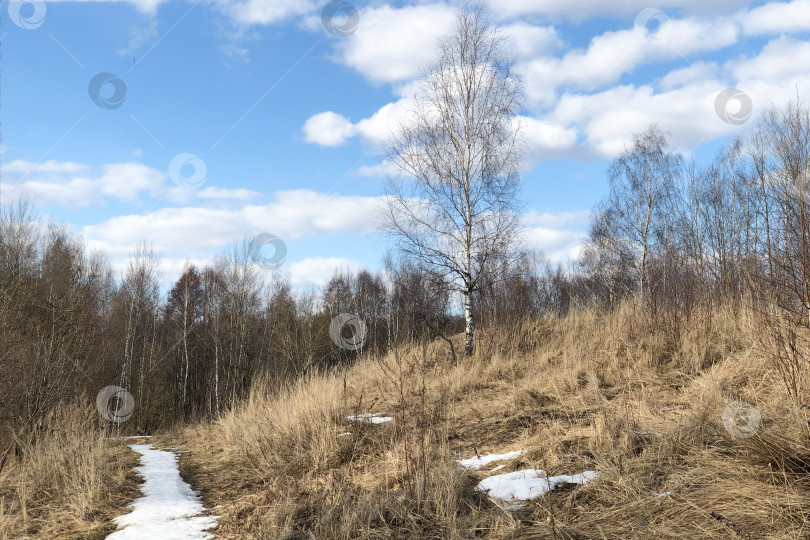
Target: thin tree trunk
{"points": [[469, 326], [185, 349]]}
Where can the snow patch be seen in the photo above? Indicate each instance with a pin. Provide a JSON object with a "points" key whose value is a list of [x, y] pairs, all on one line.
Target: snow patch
{"points": [[372, 418], [169, 509], [482, 461], [511, 490]]}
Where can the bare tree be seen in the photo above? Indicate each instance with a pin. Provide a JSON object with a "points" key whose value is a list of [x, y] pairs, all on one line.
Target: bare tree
{"points": [[641, 192], [452, 198], [138, 310], [781, 160]]}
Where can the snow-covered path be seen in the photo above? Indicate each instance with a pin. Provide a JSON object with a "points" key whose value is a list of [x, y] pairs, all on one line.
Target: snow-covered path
{"points": [[169, 509]]}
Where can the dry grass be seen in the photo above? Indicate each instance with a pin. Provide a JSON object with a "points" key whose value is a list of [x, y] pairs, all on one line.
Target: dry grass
{"points": [[592, 391], [68, 484]]}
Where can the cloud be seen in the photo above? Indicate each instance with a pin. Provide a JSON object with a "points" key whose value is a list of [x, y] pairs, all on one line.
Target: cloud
{"points": [[241, 12], [581, 114], [238, 194], [559, 245], [559, 235], [582, 10], [393, 44], [688, 75], [542, 138], [50, 166], [551, 82], [780, 60], [139, 36], [379, 126], [199, 233], [777, 17], [556, 220], [67, 184], [148, 7], [607, 119], [600, 65], [263, 12], [545, 139], [332, 129], [178, 231], [191, 230], [318, 271], [126, 181], [528, 41], [73, 185], [379, 170], [298, 213], [328, 129], [235, 53]]}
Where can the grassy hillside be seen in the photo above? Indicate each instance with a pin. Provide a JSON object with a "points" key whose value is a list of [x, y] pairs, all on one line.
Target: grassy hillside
{"points": [[592, 391]]}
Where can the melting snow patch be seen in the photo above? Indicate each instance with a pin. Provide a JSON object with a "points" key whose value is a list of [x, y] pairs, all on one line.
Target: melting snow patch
{"points": [[373, 418], [511, 490], [169, 509], [482, 461]]}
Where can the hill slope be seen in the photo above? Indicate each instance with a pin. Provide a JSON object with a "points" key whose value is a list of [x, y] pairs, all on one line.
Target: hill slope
{"points": [[651, 412]]}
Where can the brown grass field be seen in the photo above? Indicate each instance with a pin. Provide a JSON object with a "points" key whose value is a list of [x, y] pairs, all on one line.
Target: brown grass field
{"points": [[595, 391], [71, 483]]}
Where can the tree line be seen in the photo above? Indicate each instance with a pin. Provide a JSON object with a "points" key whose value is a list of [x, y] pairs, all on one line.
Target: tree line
{"points": [[70, 326]]}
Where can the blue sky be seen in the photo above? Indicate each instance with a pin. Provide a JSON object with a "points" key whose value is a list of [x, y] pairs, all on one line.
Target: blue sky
{"points": [[285, 118]]}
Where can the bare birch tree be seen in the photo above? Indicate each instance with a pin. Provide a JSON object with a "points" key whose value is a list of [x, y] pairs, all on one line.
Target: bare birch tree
{"points": [[452, 197], [641, 189]]}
